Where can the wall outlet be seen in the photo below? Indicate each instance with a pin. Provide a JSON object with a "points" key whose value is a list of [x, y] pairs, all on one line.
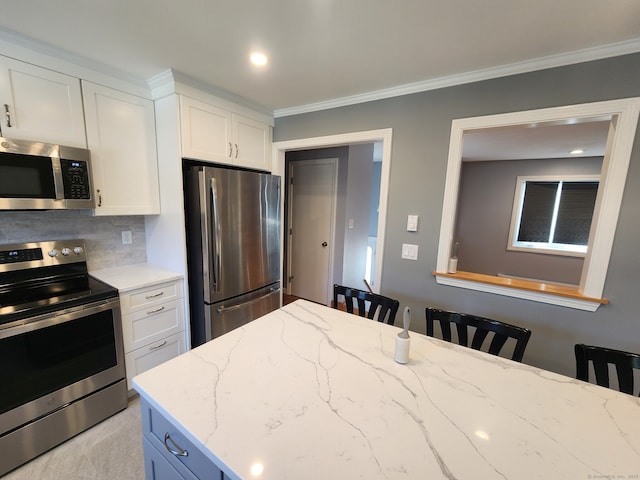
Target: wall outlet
{"points": [[127, 239]]}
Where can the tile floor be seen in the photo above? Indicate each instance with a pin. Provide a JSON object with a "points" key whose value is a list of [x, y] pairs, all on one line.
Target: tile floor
{"points": [[111, 450]]}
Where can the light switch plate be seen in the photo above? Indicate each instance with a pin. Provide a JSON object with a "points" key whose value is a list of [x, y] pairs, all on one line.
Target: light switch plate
{"points": [[409, 252], [412, 223]]}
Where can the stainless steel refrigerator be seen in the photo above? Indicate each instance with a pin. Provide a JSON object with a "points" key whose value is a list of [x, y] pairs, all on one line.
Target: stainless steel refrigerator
{"points": [[233, 248]]}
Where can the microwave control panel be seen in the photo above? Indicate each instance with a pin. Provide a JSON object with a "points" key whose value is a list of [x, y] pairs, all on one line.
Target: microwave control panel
{"points": [[75, 175]]}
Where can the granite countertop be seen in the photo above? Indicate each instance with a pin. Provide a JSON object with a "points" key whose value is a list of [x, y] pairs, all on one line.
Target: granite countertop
{"points": [[139, 275], [311, 392]]}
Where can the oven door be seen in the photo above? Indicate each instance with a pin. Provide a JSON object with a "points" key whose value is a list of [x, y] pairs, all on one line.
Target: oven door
{"points": [[50, 361]]}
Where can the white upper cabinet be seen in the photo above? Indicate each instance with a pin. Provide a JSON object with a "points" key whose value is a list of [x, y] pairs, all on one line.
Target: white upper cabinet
{"points": [[39, 104], [212, 133], [206, 131], [122, 138], [252, 143]]}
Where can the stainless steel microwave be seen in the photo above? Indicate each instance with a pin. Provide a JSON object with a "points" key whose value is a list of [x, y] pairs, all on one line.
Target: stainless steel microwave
{"points": [[43, 176]]}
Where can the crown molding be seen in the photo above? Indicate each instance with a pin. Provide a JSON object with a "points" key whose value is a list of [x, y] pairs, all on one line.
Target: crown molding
{"points": [[25, 49], [560, 60]]}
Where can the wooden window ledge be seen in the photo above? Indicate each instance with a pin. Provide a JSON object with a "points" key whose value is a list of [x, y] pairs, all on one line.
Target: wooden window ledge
{"points": [[536, 291]]}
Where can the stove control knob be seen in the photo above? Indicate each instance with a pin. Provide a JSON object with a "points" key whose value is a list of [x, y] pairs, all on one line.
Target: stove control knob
{"points": [[53, 253], [78, 250], [66, 251]]}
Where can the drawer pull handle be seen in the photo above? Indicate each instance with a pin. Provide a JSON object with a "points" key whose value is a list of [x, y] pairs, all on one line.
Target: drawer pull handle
{"points": [[177, 451], [153, 296], [158, 346], [156, 310], [7, 115]]}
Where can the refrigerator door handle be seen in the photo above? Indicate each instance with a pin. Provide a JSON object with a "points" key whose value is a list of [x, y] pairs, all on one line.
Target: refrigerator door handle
{"points": [[210, 229], [222, 309], [215, 234]]}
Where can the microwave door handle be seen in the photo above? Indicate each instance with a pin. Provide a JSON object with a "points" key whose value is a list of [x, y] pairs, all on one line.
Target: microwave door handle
{"points": [[58, 181]]}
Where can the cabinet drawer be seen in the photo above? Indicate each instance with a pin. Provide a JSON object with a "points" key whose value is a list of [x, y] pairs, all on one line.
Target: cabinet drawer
{"points": [[157, 467], [144, 358], [152, 324], [145, 297], [162, 435]]}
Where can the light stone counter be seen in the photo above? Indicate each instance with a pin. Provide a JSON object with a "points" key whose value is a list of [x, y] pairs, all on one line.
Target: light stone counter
{"points": [[308, 392], [130, 277]]}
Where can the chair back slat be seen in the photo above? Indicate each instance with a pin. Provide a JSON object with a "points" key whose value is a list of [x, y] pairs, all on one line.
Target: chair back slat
{"points": [[497, 343], [500, 331], [380, 307], [600, 357]]}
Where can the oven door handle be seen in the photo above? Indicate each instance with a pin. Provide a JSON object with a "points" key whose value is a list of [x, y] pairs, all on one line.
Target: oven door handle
{"points": [[56, 318]]}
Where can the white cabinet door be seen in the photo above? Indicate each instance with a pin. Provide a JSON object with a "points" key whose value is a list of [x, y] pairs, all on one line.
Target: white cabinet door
{"points": [[122, 139], [40, 104], [252, 143], [206, 131], [214, 134]]}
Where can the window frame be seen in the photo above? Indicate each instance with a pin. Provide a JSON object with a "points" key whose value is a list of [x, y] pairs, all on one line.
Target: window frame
{"points": [[513, 244]]}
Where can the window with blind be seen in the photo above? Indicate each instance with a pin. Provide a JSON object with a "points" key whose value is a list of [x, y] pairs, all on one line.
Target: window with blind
{"points": [[553, 215]]}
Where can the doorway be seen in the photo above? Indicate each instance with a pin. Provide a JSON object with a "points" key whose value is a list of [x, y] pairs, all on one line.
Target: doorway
{"points": [[311, 219], [384, 138]]}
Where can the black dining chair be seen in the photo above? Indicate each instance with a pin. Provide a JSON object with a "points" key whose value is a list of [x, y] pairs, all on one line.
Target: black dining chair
{"points": [[466, 324], [625, 363], [385, 307]]}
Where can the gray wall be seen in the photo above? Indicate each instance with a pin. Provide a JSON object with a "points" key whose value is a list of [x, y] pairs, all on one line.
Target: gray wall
{"points": [[358, 200], [421, 126], [102, 234], [485, 205]]}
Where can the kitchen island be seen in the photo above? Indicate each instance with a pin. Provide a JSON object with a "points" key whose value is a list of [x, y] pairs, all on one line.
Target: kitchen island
{"points": [[309, 392]]}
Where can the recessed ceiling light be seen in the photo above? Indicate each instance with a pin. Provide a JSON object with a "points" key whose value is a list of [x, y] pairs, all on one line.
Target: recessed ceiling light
{"points": [[576, 151], [258, 58]]}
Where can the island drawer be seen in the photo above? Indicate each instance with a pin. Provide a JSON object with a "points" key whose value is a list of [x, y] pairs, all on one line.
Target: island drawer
{"points": [[156, 466], [165, 437]]}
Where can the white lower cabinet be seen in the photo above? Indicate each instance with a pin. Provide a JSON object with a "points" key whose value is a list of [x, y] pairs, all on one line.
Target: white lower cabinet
{"points": [[153, 324], [149, 356]]}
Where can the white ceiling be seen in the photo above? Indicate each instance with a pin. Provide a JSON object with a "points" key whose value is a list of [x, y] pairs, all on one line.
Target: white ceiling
{"points": [[323, 50], [538, 141]]}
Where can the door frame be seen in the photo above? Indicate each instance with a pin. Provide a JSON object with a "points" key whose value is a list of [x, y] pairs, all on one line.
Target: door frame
{"points": [[332, 235], [370, 136]]}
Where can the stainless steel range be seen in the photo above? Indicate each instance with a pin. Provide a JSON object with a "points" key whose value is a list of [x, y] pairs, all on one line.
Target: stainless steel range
{"points": [[61, 355]]}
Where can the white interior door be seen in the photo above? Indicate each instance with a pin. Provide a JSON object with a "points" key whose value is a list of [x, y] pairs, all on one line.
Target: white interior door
{"points": [[312, 202]]}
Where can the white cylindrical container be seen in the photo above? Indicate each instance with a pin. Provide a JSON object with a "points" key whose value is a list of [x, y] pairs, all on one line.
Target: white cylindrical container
{"points": [[402, 349], [453, 265]]}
